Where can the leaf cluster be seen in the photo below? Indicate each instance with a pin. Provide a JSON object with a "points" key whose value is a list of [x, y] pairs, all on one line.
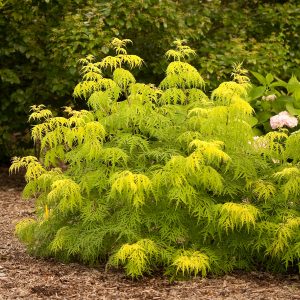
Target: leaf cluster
{"points": [[165, 176]]}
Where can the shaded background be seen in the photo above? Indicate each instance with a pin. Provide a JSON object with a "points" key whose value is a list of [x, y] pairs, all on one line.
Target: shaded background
{"points": [[41, 41]]}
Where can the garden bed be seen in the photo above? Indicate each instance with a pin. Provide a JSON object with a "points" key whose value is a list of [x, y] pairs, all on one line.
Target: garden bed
{"points": [[25, 277]]}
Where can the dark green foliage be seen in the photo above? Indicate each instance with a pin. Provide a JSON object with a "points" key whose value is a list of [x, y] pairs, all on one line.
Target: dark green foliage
{"points": [[167, 178], [271, 97], [42, 41], [260, 33]]}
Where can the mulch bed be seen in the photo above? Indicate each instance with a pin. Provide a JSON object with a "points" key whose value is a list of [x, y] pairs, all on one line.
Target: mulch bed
{"points": [[26, 277]]}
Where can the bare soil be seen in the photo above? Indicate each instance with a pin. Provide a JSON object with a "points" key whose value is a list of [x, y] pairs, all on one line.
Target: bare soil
{"points": [[26, 277]]}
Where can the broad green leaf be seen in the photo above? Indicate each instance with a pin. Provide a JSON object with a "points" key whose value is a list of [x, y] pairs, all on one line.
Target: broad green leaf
{"points": [[293, 84], [296, 103], [292, 110], [279, 104], [263, 116], [256, 92], [266, 105], [269, 78], [257, 132], [285, 99], [252, 121], [279, 82], [259, 77], [297, 93]]}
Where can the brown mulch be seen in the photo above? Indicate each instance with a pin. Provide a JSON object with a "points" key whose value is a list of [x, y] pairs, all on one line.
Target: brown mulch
{"points": [[26, 277]]}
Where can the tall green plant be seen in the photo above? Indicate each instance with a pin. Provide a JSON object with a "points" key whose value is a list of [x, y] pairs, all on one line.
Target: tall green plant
{"points": [[161, 177]]}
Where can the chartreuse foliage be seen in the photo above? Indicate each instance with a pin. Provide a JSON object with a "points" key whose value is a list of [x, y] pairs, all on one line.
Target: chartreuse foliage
{"points": [[161, 177]]}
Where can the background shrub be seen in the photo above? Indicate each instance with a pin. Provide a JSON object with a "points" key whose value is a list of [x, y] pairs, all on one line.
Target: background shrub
{"points": [[43, 39]]}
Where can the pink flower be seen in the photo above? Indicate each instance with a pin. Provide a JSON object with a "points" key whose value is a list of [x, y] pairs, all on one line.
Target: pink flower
{"points": [[283, 119]]}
